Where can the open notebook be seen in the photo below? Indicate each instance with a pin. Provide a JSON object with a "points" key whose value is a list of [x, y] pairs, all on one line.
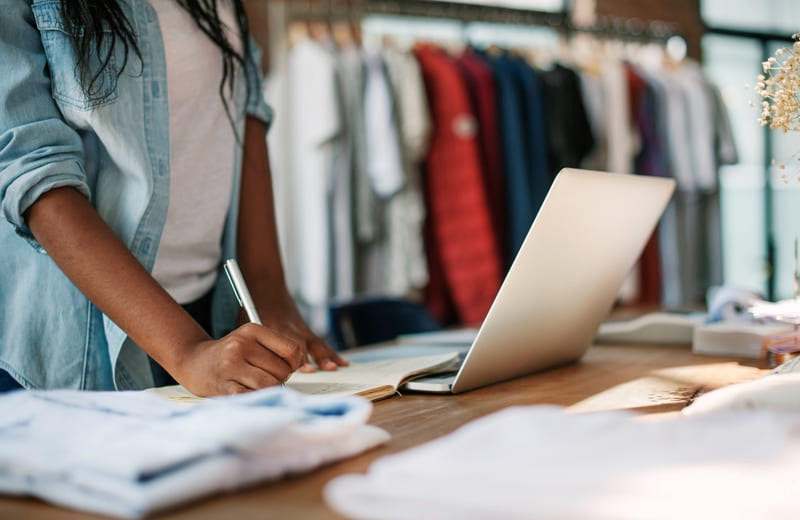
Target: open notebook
{"points": [[374, 380]]}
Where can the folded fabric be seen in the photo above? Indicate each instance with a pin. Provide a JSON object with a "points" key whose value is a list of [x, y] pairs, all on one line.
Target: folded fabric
{"points": [[129, 454], [539, 462], [777, 392]]}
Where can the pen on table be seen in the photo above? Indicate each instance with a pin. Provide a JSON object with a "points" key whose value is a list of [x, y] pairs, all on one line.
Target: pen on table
{"points": [[240, 290]]}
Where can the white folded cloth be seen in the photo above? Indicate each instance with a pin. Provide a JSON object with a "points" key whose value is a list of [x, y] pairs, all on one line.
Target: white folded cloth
{"points": [[777, 392], [538, 462], [129, 454]]}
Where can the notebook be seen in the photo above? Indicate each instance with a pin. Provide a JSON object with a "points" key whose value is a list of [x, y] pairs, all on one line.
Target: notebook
{"points": [[375, 379], [587, 236]]}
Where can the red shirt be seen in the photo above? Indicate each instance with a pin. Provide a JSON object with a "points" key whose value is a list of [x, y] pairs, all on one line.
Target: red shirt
{"points": [[459, 229], [479, 81]]}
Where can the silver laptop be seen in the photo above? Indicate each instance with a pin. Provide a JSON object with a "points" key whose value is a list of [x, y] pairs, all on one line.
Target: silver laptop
{"points": [[562, 284]]}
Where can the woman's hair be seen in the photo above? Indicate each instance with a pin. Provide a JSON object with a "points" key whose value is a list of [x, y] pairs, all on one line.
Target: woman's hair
{"points": [[98, 26]]}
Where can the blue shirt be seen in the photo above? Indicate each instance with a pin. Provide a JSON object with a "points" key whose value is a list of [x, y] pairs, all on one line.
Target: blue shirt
{"points": [[113, 147], [519, 195]]}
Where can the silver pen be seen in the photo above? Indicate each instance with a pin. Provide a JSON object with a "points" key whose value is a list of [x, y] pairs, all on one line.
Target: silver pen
{"points": [[240, 290]]}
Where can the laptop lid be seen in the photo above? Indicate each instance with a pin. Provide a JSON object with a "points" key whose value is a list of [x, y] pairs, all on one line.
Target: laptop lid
{"points": [[588, 234]]}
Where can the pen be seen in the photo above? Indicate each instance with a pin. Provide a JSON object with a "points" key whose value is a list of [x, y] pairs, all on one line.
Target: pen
{"points": [[240, 290]]}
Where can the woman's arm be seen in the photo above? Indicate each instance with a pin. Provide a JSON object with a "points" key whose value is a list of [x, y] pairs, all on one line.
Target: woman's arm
{"points": [[259, 253], [100, 265]]}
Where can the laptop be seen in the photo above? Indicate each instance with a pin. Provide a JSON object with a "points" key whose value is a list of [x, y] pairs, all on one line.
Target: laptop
{"points": [[587, 236]]}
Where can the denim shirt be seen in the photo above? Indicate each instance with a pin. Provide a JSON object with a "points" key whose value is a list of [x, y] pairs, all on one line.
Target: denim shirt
{"points": [[113, 147]]}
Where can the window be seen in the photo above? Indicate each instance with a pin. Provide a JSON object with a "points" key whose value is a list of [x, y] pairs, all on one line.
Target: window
{"points": [[776, 16], [760, 212]]}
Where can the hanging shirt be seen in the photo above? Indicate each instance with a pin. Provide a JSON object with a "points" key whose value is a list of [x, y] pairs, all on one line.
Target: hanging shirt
{"points": [[347, 159], [277, 89], [201, 146], [622, 139], [569, 135], [459, 222], [520, 206], [594, 99], [406, 264], [315, 124], [669, 243], [480, 84], [384, 164], [539, 131], [648, 162]]}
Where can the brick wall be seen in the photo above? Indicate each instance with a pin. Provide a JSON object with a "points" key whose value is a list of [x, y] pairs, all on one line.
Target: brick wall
{"points": [[685, 14]]}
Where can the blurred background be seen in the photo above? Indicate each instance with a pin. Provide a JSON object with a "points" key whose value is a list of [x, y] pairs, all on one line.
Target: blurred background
{"points": [[397, 172]]}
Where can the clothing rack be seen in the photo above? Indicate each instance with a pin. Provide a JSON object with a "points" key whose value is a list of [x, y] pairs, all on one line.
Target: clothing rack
{"points": [[607, 26]]}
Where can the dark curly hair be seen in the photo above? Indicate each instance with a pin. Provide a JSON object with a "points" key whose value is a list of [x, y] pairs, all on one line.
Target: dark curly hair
{"points": [[87, 19]]}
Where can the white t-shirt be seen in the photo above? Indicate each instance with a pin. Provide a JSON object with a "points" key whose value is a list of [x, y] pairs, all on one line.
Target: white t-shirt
{"points": [[315, 126], [201, 144]]}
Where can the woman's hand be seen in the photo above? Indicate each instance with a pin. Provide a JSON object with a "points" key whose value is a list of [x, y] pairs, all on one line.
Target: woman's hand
{"points": [[283, 317], [249, 358], [258, 253]]}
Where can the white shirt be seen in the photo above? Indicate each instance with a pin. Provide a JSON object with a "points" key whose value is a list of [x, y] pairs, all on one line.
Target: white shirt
{"points": [[201, 144], [130, 454], [384, 162], [315, 126]]}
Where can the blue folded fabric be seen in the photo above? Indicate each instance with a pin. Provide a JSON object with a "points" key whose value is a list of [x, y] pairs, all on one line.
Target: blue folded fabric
{"points": [[129, 454]]}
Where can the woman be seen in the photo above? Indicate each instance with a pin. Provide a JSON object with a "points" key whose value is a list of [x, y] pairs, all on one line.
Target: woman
{"points": [[132, 162]]}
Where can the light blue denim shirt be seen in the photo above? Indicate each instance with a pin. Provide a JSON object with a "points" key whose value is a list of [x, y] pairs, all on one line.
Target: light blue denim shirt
{"points": [[113, 147]]}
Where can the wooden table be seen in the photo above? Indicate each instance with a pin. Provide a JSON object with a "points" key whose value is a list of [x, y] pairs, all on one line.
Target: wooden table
{"points": [[651, 379]]}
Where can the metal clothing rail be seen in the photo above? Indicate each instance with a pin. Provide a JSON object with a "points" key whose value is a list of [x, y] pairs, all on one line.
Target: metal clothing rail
{"points": [[607, 26], [466, 12], [627, 28]]}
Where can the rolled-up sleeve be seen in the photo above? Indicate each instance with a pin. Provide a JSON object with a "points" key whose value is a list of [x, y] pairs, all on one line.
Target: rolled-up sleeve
{"points": [[256, 104], [39, 151]]}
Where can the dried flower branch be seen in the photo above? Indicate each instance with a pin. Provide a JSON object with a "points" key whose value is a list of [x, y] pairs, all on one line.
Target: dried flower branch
{"points": [[779, 91]]}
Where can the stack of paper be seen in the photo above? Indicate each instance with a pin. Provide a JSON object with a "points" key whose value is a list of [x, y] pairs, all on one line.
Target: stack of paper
{"points": [[734, 339], [784, 311]]}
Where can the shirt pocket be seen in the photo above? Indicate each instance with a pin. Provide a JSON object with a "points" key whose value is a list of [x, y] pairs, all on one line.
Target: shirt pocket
{"points": [[65, 75]]}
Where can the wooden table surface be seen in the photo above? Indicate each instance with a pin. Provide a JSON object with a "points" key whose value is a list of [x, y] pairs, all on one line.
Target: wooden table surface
{"points": [[650, 379]]}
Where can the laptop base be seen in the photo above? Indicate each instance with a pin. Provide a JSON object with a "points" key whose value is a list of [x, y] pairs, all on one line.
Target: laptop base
{"points": [[438, 384]]}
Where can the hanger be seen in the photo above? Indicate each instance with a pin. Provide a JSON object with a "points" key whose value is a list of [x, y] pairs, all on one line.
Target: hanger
{"points": [[346, 30], [319, 30], [494, 50], [586, 52], [319, 24], [296, 32], [298, 28]]}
